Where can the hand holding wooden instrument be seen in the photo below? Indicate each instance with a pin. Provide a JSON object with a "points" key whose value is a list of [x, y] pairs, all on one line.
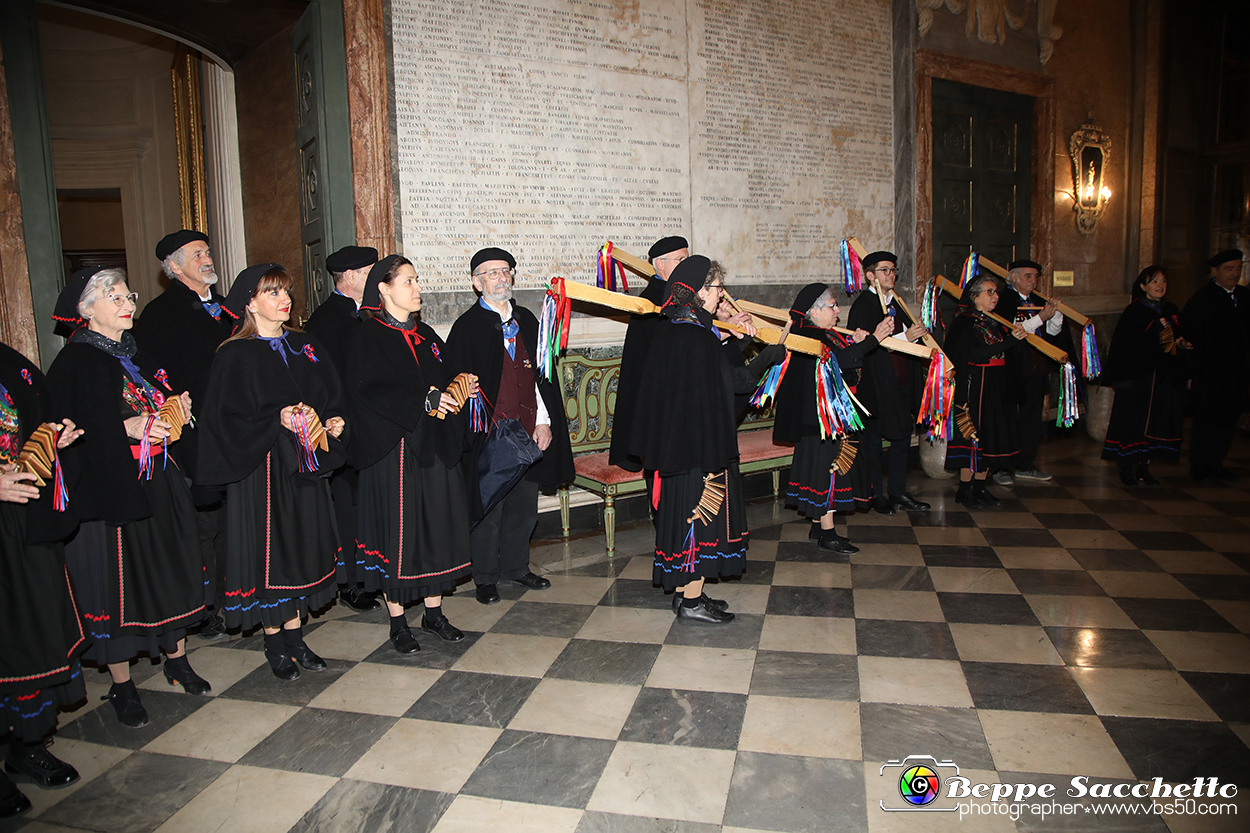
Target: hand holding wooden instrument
{"points": [[1039, 343]]}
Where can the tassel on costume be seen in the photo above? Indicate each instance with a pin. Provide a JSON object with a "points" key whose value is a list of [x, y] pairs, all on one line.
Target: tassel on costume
{"points": [[846, 457], [307, 449], [852, 268], [60, 495], [963, 421], [1069, 403], [767, 390], [833, 402], [145, 450], [1091, 365], [939, 396]]}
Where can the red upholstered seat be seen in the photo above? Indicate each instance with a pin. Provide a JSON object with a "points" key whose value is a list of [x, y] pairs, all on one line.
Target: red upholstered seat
{"points": [[759, 445], [596, 467]]}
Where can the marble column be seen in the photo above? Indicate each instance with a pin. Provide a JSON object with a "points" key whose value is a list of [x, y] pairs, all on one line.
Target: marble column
{"points": [[368, 97], [17, 325]]}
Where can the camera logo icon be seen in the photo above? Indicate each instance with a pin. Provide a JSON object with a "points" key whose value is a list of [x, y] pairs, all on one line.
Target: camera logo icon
{"points": [[920, 779]]}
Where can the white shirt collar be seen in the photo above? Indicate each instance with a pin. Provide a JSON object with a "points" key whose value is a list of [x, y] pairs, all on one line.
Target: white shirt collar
{"points": [[889, 299]]}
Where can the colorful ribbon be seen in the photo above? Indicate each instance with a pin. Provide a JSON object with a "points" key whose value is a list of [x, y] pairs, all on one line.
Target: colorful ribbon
{"points": [[937, 404], [553, 328], [609, 268], [1091, 365], [303, 433], [1069, 403], [767, 390], [852, 268], [969, 270], [837, 413], [928, 306]]}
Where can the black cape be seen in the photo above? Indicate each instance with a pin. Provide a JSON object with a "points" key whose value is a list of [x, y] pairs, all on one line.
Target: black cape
{"points": [[333, 323], [249, 386], [387, 385], [1136, 351], [475, 345], [795, 403], [891, 396], [1219, 364], [638, 339]]}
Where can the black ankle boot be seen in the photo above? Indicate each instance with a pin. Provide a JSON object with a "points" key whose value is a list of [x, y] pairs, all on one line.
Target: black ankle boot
{"points": [[178, 671], [984, 495], [284, 668], [293, 639], [1145, 477], [125, 700], [967, 496]]}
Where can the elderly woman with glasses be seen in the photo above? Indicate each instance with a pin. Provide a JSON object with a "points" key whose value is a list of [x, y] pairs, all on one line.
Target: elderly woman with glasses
{"points": [[135, 561], [816, 485], [986, 433]]}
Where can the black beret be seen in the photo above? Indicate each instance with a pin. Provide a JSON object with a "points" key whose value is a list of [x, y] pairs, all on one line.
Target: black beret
{"points": [[807, 296], [690, 273], [171, 243], [66, 309], [1024, 264], [1224, 257], [491, 253], [666, 245], [244, 287], [873, 259], [352, 257], [372, 298]]}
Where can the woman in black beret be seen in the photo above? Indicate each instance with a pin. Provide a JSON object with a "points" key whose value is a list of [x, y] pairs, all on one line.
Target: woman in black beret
{"points": [[986, 433], [39, 672], [414, 499], [270, 385], [1144, 367], [135, 563], [815, 486]]}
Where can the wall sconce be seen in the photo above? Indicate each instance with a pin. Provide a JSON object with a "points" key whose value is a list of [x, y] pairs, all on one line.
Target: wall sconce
{"points": [[1090, 148]]}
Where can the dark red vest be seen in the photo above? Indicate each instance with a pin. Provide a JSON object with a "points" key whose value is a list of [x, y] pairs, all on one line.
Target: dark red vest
{"points": [[516, 399]]}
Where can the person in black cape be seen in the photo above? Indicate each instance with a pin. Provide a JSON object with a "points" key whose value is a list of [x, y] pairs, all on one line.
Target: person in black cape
{"points": [[1216, 321], [684, 430], [814, 485], [665, 254], [135, 563], [414, 486], [180, 331], [333, 323], [496, 340], [39, 671], [985, 433], [268, 381], [890, 386]]}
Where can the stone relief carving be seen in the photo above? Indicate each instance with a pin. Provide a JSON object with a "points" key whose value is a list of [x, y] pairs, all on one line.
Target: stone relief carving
{"points": [[989, 19]]}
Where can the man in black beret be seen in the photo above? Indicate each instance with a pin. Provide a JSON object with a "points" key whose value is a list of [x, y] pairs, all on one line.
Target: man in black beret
{"points": [[333, 323], [890, 385], [1045, 322], [1217, 322], [181, 330], [664, 255], [497, 340]]}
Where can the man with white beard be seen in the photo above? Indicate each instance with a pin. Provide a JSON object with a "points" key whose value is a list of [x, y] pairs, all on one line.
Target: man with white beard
{"points": [[181, 329]]}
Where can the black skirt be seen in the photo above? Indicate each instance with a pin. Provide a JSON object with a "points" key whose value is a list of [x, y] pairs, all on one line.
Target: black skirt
{"points": [[997, 433], [42, 636], [1145, 422], [413, 527], [815, 488], [139, 585], [281, 546], [685, 551]]}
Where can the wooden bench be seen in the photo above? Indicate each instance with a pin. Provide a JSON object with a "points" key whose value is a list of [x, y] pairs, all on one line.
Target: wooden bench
{"points": [[589, 404]]}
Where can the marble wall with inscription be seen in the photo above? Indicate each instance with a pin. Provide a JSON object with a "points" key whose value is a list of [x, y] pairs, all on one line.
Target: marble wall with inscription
{"points": [[761, 129]]}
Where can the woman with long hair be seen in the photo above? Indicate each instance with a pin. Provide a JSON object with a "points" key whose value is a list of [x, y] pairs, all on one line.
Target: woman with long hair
{"points": [[826, 476], [1144, 367], [409, 445], [270, 389], [135, 562], [986, 433]]}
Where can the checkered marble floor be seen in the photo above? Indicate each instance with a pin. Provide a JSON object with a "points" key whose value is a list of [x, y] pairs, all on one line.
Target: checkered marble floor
{"points": [[1081, 629]]}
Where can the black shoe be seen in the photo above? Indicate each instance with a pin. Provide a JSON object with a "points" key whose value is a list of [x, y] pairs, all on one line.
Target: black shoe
{"points": [[532, 581], [1202, 475], [813, 534], [178, 671], [12, 801], [404, 641], [719, 605], [1221, 473], [1127, 477], [487, 594], [909, 503], [881, 505], [834, 542], [125, 700], [985, 495], [442, 628], [1145, 477], [280, 662], [359, 600], [212, 628], [703, 613], [967, 496], [39, 765], [297, 648]]}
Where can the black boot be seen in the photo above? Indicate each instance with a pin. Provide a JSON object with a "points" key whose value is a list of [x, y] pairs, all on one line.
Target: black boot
{"points": [[125, 700], [1127, 477], [984, 495], [293, 639], [1144, 476], [966, 495], [178, 671], [284, 668], [35, 762]]}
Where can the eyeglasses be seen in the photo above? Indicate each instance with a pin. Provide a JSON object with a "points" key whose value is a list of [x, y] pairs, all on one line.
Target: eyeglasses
{"points": [[678, 258], [496, 274], [884, 271], [118, 300]]}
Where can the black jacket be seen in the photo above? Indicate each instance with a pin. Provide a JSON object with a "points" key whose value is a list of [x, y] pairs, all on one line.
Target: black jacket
{"points": [[893, 398], [1219, 364], [639, 336], [333, 323]]}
